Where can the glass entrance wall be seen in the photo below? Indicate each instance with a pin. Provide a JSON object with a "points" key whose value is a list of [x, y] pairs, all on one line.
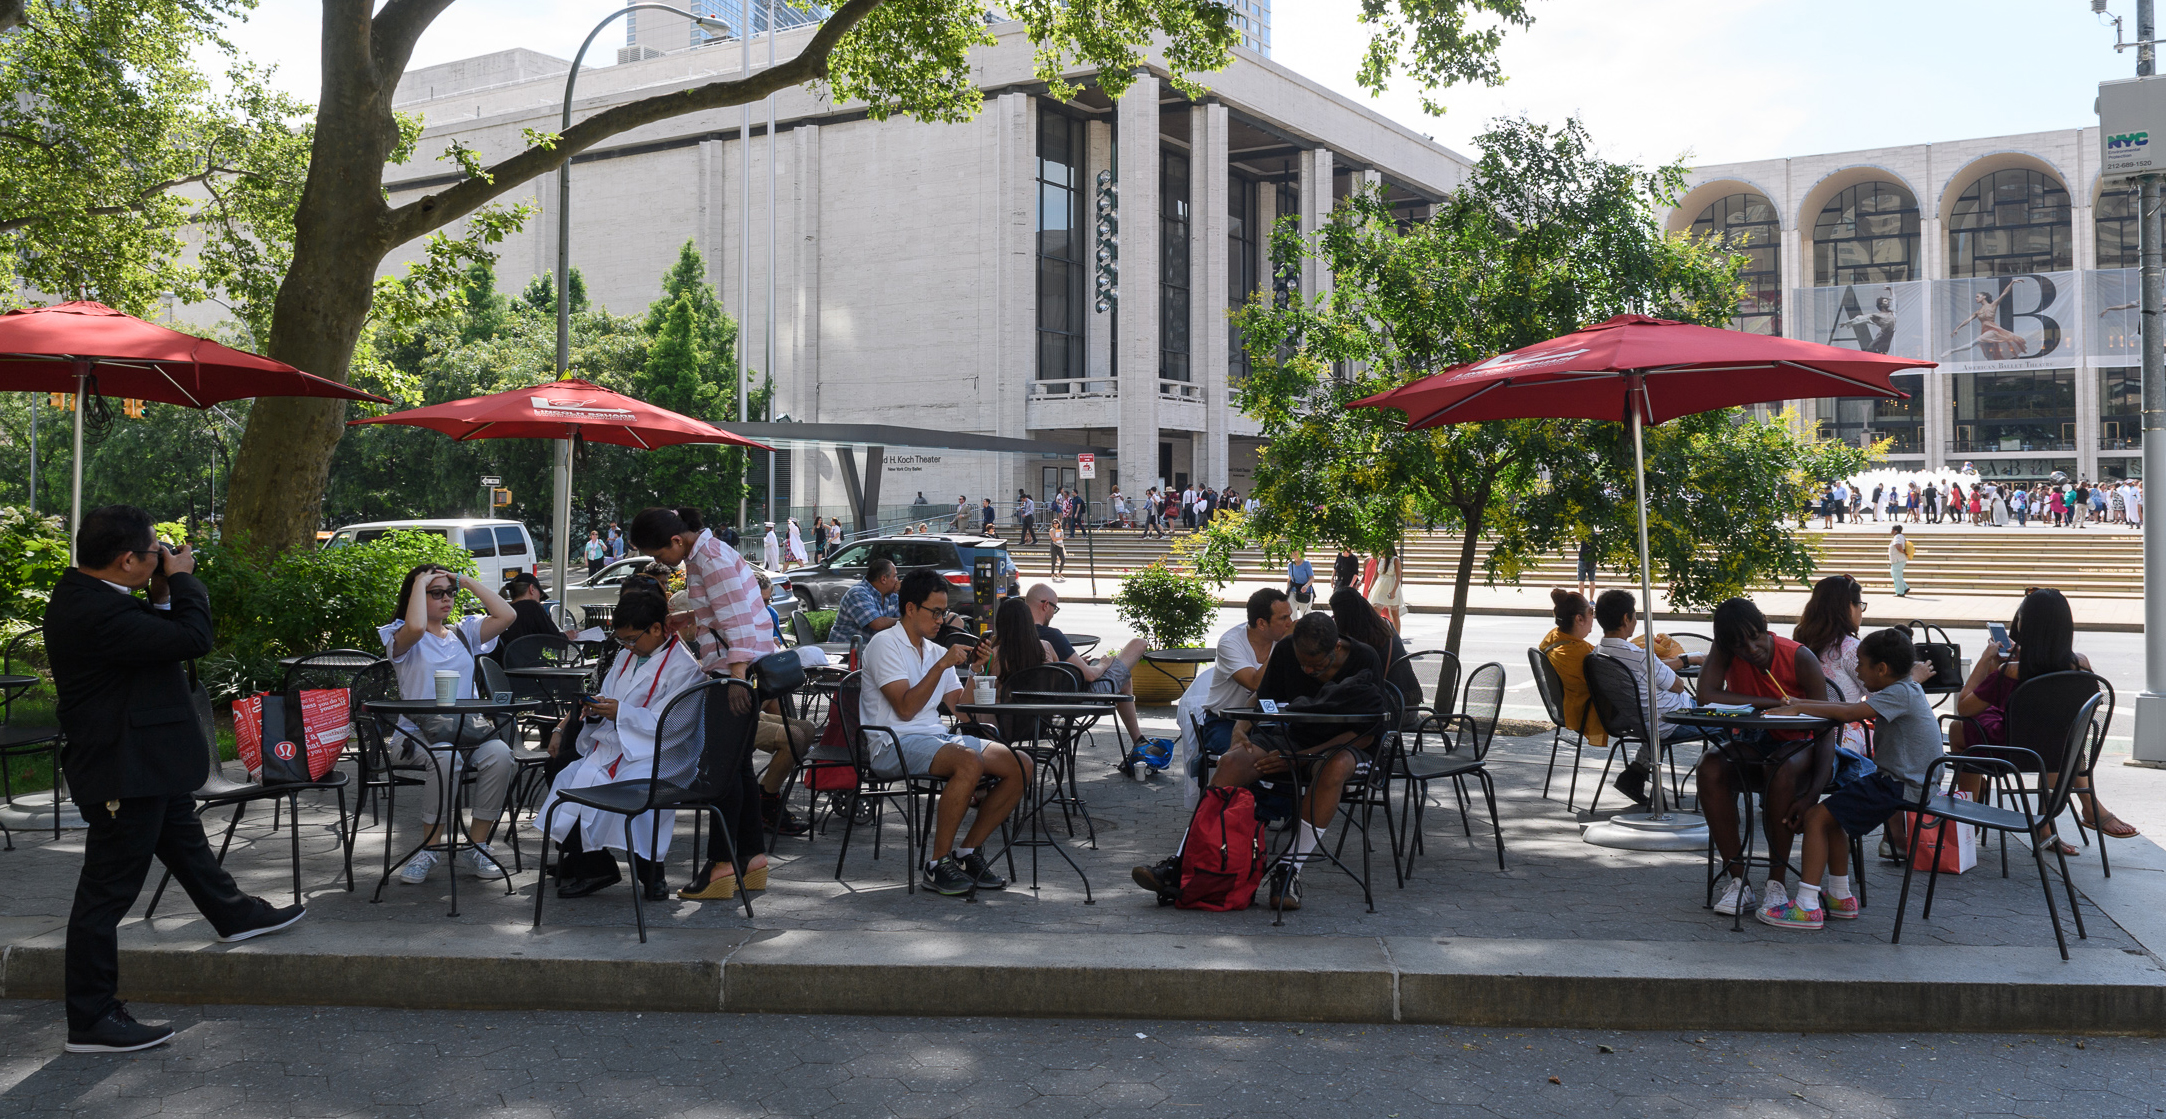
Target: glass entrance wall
{"points": [[2025, 410], [2120, 410], [1867, 234], [2008, 223], [1856, 419]]}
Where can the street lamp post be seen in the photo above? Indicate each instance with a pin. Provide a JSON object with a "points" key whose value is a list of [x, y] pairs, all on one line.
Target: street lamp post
{"points": [[561, 521]]}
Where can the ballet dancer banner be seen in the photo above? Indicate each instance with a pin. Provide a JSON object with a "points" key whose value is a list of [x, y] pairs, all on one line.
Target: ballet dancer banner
{"points": [[2113, 323], [1991, 323], [1873, 318]]}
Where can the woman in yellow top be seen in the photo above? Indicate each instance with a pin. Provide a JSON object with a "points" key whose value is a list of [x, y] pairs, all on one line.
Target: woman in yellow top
{"points": [[1567, 648]]}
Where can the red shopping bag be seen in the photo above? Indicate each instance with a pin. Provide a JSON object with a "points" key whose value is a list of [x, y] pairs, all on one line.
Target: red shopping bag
{"points": [[282, 742], [1953, 849], [827, 776]]}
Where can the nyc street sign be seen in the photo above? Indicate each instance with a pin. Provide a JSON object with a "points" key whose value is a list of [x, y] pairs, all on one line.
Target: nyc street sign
{"points": [[2131, 127]]}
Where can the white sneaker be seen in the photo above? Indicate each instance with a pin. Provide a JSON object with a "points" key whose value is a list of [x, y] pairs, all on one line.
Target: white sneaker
{"points": [[480, 860], [1736, 898], [418, 868]]}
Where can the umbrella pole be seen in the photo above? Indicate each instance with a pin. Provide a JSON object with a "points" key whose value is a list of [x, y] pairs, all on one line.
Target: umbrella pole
{"points": [[75, 465], [1659, 828], [561, 523]]}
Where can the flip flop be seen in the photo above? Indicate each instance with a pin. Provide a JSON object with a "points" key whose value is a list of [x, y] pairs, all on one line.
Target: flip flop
{"points": [[2118, 829]]}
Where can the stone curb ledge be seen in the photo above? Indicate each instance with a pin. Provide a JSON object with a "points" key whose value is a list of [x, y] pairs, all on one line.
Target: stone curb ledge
{"points": [[1594, 984]]}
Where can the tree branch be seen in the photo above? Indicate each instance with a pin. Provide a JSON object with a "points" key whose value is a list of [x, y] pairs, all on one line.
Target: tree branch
{"points": [[142, 199], [395, 30], [434, 211]]}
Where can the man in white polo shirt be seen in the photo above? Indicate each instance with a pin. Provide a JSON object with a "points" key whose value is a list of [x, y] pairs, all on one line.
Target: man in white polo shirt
{"points": [[906, 676]]}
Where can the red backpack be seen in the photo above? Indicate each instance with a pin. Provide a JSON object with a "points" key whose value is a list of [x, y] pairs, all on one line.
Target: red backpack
{"points": [[1222, 860]]}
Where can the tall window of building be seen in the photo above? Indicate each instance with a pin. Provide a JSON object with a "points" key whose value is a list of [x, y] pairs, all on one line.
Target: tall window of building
{"points": [[1285, 274], [1173, 254], [2115, 218], [2008, 223], [1242, 260], [1062, 249], [1252, 18], [1746, 224], [1866, 234], [2027, 410], [2120, 409]]}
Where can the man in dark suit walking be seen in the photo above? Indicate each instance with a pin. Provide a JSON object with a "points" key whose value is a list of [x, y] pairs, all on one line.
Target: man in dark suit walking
{"points": [[135, 751]]}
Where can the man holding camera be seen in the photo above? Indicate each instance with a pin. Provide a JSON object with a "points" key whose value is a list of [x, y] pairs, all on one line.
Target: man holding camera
{"points": [[136, 751]]}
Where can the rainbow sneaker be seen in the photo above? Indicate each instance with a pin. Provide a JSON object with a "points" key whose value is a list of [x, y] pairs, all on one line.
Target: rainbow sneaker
{"points": [[1787, 915], [1839, 909]]}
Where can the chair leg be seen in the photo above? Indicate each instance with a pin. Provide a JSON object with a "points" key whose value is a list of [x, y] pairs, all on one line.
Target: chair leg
{"points": [[2074, 909], [1489, 793], [541, 884], [849, 826], [293, 833], [1579, 755], [1459, 793], [2038, 855], [1910, 867], [731, 840], [1932, 876], [1556, 742], [345, 839]]}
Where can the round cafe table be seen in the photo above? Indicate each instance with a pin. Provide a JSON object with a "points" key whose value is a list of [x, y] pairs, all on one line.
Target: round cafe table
{"points": [[450, 835], [1725, 733], [1061, 720], [1158, 659]]}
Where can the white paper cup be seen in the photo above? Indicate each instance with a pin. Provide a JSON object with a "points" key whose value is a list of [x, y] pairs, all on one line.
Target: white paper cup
{"points": [[447, 688]]}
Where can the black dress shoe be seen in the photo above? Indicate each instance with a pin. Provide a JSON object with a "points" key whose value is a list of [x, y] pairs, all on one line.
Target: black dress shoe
{"points": [[268, 919], [1633, 784], [581, 887], [117, 1032], [658, 888]]}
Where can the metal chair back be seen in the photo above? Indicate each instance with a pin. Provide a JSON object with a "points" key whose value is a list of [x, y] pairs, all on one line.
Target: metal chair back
{"points": [[2039, 709], [1479, 709], [1547, 685], [2080, 745], [802, 631], [1618, 700], [1696, 644], [1053, 676], [1445, 683], [24, 655]]}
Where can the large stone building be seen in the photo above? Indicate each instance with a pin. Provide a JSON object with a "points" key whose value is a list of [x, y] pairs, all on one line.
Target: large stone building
{"points": [[2002, 258], [941, 275]]}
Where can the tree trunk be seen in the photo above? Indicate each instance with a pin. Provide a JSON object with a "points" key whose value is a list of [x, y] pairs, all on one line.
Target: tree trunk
{"points": [[1465, 575]]}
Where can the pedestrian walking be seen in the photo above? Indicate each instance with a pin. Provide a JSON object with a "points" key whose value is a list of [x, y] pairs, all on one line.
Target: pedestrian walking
{"points": [[1900, 553], [1300, 583], [1587, 556], [117, 661]]}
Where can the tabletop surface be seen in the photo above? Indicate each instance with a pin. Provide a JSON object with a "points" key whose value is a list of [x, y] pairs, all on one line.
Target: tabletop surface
{"points": [[1749, 722], [430, 706], [1181, 656], [17, 681], [551, 670], [1072, 710], [1097, 698], [330, 660], [1259, 715]]}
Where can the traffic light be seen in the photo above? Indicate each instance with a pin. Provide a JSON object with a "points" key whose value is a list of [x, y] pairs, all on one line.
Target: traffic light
{"points": [[133, 409], [65, 401]]}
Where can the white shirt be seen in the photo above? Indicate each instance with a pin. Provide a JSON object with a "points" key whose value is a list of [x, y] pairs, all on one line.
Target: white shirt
{"points": [[1896, 554], [1235, 654], [891, 656], [1634, 659], [418, 665]]}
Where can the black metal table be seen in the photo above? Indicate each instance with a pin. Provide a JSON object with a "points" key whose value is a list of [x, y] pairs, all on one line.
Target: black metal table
{"points": [[1031, 831], [450, 836], [329, 660], [1081, 642], [1298, 758], [1733, 727], [1158, 659]]}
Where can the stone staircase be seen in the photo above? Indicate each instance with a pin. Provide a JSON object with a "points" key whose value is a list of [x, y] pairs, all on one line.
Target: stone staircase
{"points": [[1971, 561]]}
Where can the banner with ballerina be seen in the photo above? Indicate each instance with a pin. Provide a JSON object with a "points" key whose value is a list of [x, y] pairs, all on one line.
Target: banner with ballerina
{"points": [[1990, 323], [2113, 326], [1872, 318]]}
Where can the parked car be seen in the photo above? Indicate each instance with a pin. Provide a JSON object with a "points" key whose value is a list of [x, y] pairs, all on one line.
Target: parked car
{"points": [[501, 549], [602, 588], [822, 585]]}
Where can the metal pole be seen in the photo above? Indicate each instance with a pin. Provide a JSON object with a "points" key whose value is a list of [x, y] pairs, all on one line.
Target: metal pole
{"points": [[2150, 743], [33, 454], [744, 245], [769, 364], [75, 467]]}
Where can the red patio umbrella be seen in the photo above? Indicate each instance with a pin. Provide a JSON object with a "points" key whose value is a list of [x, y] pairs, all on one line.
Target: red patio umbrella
{"points": [[564, 410], [91, 349], [1641, 370]]}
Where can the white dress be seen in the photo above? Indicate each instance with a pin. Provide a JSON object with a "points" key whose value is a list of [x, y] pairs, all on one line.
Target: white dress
{"points": [[797, 545], [623, 749]]}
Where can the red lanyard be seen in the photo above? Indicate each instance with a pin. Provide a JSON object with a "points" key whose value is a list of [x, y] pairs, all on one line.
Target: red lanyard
{"points": [[663, 652]]}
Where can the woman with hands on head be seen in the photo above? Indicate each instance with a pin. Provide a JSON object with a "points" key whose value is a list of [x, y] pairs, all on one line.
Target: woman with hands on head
{"points": [[421, 641]]}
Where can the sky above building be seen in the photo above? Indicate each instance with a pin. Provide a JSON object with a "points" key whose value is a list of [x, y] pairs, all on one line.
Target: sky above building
{"points": [[1654, 79]]}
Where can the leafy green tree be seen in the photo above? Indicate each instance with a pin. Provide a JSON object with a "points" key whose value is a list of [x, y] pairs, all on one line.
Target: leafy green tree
{"points": [[33, 553], [541, 293], [1543, 238]]}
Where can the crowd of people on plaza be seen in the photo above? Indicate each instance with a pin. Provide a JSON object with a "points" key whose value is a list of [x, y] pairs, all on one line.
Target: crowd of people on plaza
{"points": [[1967, 499]]}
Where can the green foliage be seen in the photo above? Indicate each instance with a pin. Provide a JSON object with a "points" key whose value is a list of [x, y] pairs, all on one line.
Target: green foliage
{"points": [[541, 293], [1209, 550], [33, 553], [306, 601], [1171, 609], [822, 621], [1543, 238]]}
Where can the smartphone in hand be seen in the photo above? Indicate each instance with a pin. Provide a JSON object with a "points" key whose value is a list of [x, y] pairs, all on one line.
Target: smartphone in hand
{"points": [[1998, 634]]}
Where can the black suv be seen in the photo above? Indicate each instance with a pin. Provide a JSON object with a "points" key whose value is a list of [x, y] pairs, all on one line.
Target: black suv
{"points": [[821, 586]]}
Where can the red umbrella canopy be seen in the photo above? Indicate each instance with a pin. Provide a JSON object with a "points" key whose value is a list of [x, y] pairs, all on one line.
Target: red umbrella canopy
{"points": [[554, 410], [43, 348], [1679, 368]]}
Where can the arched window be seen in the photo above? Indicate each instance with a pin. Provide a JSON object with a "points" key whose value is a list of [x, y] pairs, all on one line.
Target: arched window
{"points": [[2116, 222], [1866, 234], [1746, 223], [2008, 223]]}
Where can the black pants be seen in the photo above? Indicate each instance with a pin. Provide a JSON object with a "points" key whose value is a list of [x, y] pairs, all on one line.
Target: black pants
{"points": [[575, 861], [117, 854], [740, 805]]}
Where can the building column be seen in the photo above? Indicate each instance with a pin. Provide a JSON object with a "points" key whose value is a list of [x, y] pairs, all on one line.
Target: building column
{"points": [[2087, 420], [1136, 334], [1939, 387], [1207, 157], [1796, 300], [2084, 241], [804, 334], [1316, 205], [1098, 328], [1012, 356]]}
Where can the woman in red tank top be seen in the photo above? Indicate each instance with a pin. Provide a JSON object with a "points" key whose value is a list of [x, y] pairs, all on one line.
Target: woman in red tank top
{"points": [[1750, 665]]}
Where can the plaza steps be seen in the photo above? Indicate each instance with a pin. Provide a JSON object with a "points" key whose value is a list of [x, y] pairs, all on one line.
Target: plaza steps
{"points": [[1969, 561]]}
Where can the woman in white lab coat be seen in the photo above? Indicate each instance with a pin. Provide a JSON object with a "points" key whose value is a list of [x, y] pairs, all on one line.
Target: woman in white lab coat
{"points": [[652, 668]]}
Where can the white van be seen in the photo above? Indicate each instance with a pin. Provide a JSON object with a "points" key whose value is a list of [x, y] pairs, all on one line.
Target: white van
{"points": [[501, 548]]}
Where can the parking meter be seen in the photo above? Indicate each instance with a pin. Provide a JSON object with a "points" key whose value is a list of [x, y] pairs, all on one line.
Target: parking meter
{"points": [[986, 590]]}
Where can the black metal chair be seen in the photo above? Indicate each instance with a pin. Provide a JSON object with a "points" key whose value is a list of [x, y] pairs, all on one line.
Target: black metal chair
{"points": [[1443, 685], [2035, 723], [1550, 688], [1465, 737], [802, 631], [2080, 746], [1026, 733], [876, 790], [379, 761], [699, 745], [24, 655], [530, 764], [1622, 707]]}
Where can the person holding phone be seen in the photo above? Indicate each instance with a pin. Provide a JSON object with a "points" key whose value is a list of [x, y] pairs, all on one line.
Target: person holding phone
{"points": [[2040, 639], [617, 734], [420, 642]]}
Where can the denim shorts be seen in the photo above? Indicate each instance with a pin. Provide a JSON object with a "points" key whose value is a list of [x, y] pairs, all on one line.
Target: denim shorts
{"points": [[918, 751], [1866, 803]]}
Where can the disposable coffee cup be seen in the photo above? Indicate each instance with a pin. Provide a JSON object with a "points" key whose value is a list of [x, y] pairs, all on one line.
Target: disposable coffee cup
{"points": [[987, 691], [447, 688]]}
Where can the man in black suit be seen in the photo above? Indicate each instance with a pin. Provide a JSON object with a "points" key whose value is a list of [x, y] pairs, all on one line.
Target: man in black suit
{"points": [[135, 751]]}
